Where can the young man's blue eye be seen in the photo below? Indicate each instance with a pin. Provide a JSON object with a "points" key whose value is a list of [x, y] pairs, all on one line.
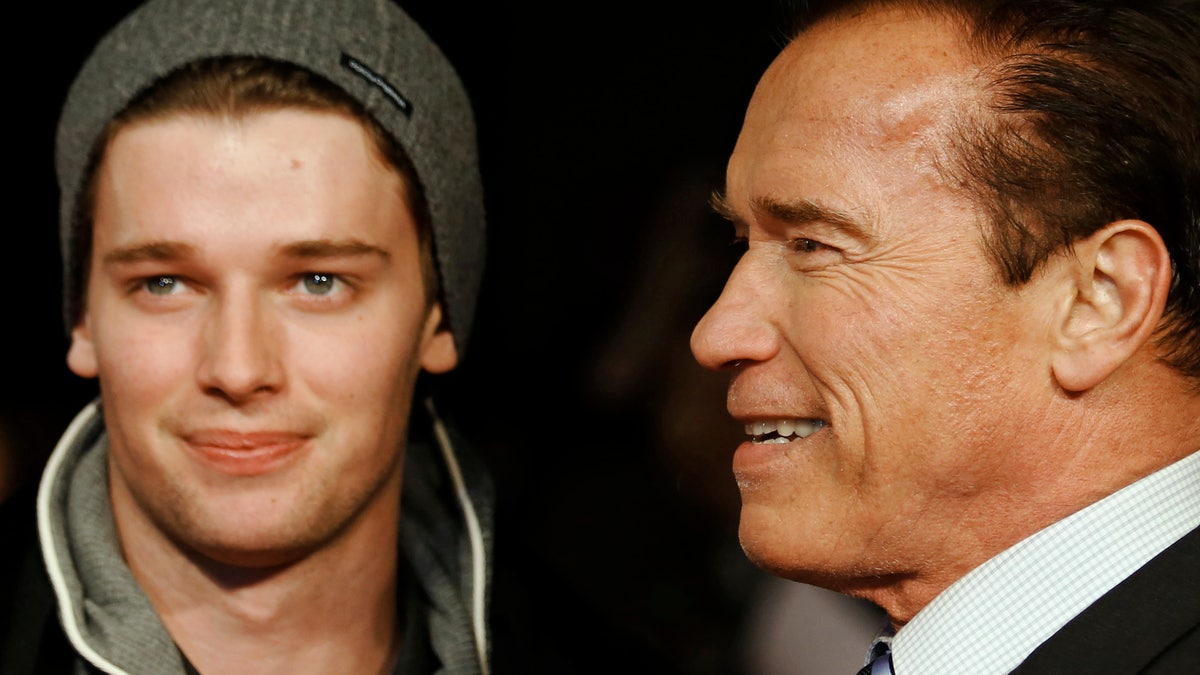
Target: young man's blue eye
{"points": [[318, 284], [160, 285]]}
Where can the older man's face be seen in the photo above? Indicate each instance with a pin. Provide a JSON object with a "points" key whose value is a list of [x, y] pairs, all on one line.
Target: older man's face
{"points": [[890, 376]]}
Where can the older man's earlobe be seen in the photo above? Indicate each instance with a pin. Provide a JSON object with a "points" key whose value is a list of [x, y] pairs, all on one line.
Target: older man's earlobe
{"points": [[1122, 274]]}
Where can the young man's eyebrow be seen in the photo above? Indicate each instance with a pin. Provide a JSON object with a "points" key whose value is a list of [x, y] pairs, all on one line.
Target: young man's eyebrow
{"points": [[154, 250], [312, 248], [332, 248]]}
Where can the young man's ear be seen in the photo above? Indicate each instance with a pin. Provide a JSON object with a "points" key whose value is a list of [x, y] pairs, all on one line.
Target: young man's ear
{"points": [[1120, 277], [438, 353], [81, 355]]}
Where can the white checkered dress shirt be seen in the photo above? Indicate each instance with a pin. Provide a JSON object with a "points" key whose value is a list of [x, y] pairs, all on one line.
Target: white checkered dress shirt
{"points": [[1025, 594]]}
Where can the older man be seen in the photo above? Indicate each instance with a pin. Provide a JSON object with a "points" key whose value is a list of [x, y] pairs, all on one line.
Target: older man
{"points": [[964, 337]]}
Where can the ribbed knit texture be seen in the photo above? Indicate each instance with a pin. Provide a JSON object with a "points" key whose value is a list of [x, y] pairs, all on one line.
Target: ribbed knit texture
{"points": [[438, 132]]}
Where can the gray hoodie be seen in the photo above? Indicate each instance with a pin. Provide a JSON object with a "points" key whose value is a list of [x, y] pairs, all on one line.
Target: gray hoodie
{"points": [[445, 534]]}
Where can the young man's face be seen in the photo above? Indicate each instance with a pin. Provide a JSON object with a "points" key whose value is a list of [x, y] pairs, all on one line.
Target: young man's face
{"points": [[866, 315], [256, 316]]}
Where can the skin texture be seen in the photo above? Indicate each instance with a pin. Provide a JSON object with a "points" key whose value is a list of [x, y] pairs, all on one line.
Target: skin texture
{"points": [[953, 426], [257, 420]]}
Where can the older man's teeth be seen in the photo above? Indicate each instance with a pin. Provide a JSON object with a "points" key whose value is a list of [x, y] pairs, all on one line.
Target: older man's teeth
{"points": [[782, 431]]}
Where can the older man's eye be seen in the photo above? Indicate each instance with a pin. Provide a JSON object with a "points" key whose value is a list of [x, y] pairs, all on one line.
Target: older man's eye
{"points": [[807, 245]]}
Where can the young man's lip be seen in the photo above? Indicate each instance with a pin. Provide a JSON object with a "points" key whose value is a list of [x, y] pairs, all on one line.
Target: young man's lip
{"points": [[245, 453], [242, 441]]}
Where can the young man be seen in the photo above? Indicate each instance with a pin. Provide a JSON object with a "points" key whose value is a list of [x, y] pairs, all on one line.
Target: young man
{"points": [[964, 338], [273, 231]]}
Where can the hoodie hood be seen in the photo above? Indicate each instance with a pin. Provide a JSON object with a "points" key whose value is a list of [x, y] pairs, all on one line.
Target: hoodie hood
{"points": [[445, 538]]}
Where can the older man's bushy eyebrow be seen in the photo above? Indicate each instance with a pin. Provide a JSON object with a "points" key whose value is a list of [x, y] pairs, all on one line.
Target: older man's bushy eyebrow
{"points": [[798, 212]]}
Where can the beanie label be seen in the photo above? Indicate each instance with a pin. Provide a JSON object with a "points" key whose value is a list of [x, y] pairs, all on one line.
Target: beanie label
{"points": [[361, 69]]}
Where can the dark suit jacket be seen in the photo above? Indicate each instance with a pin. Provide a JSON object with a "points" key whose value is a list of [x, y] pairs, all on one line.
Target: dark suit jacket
{"points": [[1149, 623]]}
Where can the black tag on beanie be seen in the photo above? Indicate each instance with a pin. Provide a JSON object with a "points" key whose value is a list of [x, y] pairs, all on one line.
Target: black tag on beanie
{"points": [[393, 94]]}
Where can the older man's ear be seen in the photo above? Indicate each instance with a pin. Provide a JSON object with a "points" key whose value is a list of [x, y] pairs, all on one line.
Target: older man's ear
{"points": [[1114, 290]]}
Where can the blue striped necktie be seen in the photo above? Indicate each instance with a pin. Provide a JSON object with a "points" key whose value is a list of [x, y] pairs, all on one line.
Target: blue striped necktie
{"points": [[880, 665], [879, 659]]}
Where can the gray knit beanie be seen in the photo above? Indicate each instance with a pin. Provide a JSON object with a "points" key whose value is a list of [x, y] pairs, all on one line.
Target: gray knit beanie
{"points": [[370, 48]]}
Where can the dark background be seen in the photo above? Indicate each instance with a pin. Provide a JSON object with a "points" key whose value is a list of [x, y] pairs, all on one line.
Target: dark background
{"points": [[603, 129]]}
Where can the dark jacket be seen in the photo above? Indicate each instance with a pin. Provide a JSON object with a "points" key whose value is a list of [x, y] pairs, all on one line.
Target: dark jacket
{"points": [[1148, 624], [70, 604]]}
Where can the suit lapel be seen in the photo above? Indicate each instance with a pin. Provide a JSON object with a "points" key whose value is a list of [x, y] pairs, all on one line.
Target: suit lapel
{"points": [[1155, 611]]}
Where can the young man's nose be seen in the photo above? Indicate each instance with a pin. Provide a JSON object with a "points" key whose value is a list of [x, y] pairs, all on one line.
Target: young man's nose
{"points": [[242, 351]]}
